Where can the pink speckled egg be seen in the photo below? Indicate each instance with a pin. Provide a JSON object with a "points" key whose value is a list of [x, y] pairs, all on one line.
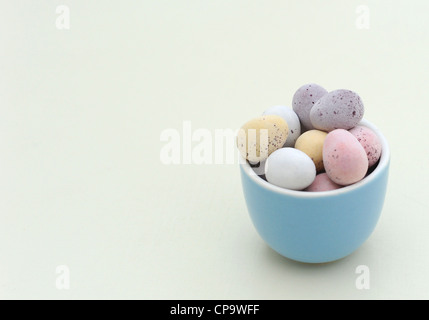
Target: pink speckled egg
{"points": [[323, 183], [344, 158], [369, 141]]}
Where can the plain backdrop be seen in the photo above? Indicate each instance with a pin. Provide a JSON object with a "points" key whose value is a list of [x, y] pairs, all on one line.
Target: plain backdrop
{"points": [[82, 185]]}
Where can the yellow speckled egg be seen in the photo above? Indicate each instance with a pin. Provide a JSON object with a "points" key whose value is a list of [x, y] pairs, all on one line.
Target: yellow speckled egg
{"points": [[260, 137], [311, 143]]}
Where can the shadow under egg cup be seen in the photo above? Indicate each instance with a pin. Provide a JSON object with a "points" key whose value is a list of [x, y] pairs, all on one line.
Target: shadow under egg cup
{"points": [[317, 227]]}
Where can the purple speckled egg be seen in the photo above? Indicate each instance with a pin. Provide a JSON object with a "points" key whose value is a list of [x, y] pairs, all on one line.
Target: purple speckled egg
{"points": [[322, 183], [304, 99], [339, 109], [369, 141], [344, 157]]}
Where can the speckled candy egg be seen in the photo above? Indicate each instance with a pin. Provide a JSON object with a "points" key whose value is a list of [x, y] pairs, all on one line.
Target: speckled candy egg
{"points": [[291, 119], [322, 183], [339, 109], [303, 101], [369, 141], [344, 157], [290, 168], [311, 143], [259, 137]]}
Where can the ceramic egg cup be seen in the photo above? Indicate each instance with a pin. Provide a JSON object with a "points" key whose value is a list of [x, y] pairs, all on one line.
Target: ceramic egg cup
{"points": [[317, 227]]}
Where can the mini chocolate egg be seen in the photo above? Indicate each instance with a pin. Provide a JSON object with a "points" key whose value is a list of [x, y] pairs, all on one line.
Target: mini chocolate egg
{"points": [[322, 183], [311, 143], [344, 157], [303, 101], [291, 119], [339, 109], [259, 137], [290, 168], [369, 141]]}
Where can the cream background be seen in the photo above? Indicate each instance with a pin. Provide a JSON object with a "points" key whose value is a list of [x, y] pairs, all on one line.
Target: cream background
{"points": [[81, 112]]}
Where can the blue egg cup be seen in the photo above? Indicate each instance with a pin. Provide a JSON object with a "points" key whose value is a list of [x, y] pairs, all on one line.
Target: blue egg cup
{"points": [[317, 227]]}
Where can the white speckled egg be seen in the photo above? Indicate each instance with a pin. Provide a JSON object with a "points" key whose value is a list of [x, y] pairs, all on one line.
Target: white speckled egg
{"points": [[290, 168], [291, 119]]}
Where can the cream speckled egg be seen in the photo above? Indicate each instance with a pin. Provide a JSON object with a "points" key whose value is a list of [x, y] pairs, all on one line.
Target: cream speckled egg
{"points": [[311, 143], [290, 168], [260, 137], [291, 119]]}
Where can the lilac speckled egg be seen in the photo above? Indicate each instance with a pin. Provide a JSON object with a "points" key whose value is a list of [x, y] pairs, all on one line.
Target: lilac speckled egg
{"points": [[323, 183], [344, 157], [303, 100], [369, 141], [339, 109]]}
